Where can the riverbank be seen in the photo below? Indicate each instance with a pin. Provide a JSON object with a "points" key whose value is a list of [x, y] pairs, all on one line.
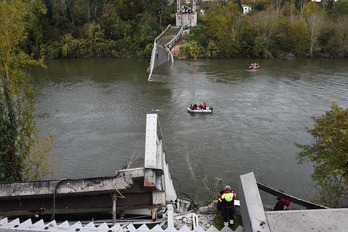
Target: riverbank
{"points": [[191, 50], [308, 30], [119, 29]]}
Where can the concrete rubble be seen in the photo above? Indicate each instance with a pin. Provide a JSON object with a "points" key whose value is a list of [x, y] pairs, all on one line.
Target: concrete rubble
{"points": [[205, 215]]}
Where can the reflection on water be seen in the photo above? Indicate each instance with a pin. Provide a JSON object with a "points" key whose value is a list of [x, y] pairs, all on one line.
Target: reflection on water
{"points": [[96, 109]]}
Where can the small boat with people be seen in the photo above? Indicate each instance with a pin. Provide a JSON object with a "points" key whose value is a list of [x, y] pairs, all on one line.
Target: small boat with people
{"points": [[201, 108], [254, 66]]}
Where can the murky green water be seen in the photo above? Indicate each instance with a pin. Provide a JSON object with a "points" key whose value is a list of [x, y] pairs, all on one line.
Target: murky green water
{"points": [[96, 109]]}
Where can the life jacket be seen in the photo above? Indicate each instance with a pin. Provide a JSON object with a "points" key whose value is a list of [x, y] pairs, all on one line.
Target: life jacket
{"points": [[282, 204], [228, 199], [285, 201]]}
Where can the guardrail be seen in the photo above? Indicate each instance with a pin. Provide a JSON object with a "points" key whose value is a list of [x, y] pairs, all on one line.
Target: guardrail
{"points": [[153, 53], [167, 46], [175, 39], [170, 44]]}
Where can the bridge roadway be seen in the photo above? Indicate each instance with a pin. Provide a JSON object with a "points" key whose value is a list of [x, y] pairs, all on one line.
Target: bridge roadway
{"points": [[168, 36], [161, 47]]}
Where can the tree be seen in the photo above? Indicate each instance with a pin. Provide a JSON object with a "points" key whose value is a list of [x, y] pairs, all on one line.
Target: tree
{"points": [[300, 4], [342, 33], [9, 169], [277, 5], [340, 7], [220, 27], [297, 36], [17, 126], [337, 37], [329, 155], [316, 25], [267, 27]]}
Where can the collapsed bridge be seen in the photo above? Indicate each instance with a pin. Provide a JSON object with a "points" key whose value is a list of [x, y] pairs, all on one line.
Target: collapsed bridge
{"points": [[161, 47], [147, 191], [130, 191]]}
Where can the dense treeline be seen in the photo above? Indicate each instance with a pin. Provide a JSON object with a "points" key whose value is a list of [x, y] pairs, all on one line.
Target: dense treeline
{"points": [[117, 28], [272, 29], [90, 28]]}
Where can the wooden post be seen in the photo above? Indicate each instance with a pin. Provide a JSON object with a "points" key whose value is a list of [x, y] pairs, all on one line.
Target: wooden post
{"points": [[114, 198], [154, 214]]}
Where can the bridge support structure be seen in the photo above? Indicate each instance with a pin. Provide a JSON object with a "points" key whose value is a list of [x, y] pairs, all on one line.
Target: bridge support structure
{"points": [[161, 47], [134, 190]]}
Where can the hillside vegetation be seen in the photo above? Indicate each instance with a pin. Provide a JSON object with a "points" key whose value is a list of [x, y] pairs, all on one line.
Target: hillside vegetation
{"points": [[271, 29], [120, 28]]}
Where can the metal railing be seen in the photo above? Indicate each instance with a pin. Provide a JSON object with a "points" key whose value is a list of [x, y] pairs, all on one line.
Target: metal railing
{"points": [[154, 49], [167, 46], [101, 226], [170, 44]]}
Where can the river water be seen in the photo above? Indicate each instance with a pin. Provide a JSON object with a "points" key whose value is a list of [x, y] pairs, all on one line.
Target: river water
{"points": [[96, 108]]}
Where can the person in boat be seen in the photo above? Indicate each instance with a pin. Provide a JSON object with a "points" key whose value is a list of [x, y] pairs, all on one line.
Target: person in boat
{"points": [[226, 202], [194, 107], [201, 105], [204, 105], [190, 106]]}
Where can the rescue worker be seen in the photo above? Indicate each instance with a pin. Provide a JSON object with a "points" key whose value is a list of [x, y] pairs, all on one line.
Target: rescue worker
{"points": [[201, 105], [204, 105], [282, 204], [226, 201]]}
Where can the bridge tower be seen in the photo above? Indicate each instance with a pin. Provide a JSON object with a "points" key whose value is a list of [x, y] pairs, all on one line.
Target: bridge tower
{"points": [[185, 15]]}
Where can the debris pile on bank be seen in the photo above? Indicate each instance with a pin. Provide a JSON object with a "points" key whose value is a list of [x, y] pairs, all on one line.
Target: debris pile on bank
{"points": [[204, 216]]}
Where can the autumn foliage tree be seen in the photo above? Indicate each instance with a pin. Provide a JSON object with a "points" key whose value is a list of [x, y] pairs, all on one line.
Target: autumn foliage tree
{"points": [[329, 155], [18, 131], [220, 27]]}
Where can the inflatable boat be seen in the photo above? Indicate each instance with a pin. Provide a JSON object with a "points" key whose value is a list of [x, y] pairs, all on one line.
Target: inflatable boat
{"points": [[207, 110], [254, 67]]}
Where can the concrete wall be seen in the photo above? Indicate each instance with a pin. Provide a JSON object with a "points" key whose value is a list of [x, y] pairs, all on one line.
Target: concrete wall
{"points": [[308, 220], [186, 19], [254, 218]]}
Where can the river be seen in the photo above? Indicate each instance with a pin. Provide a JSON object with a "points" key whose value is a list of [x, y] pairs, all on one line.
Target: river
{"points": [[96, 109]]}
